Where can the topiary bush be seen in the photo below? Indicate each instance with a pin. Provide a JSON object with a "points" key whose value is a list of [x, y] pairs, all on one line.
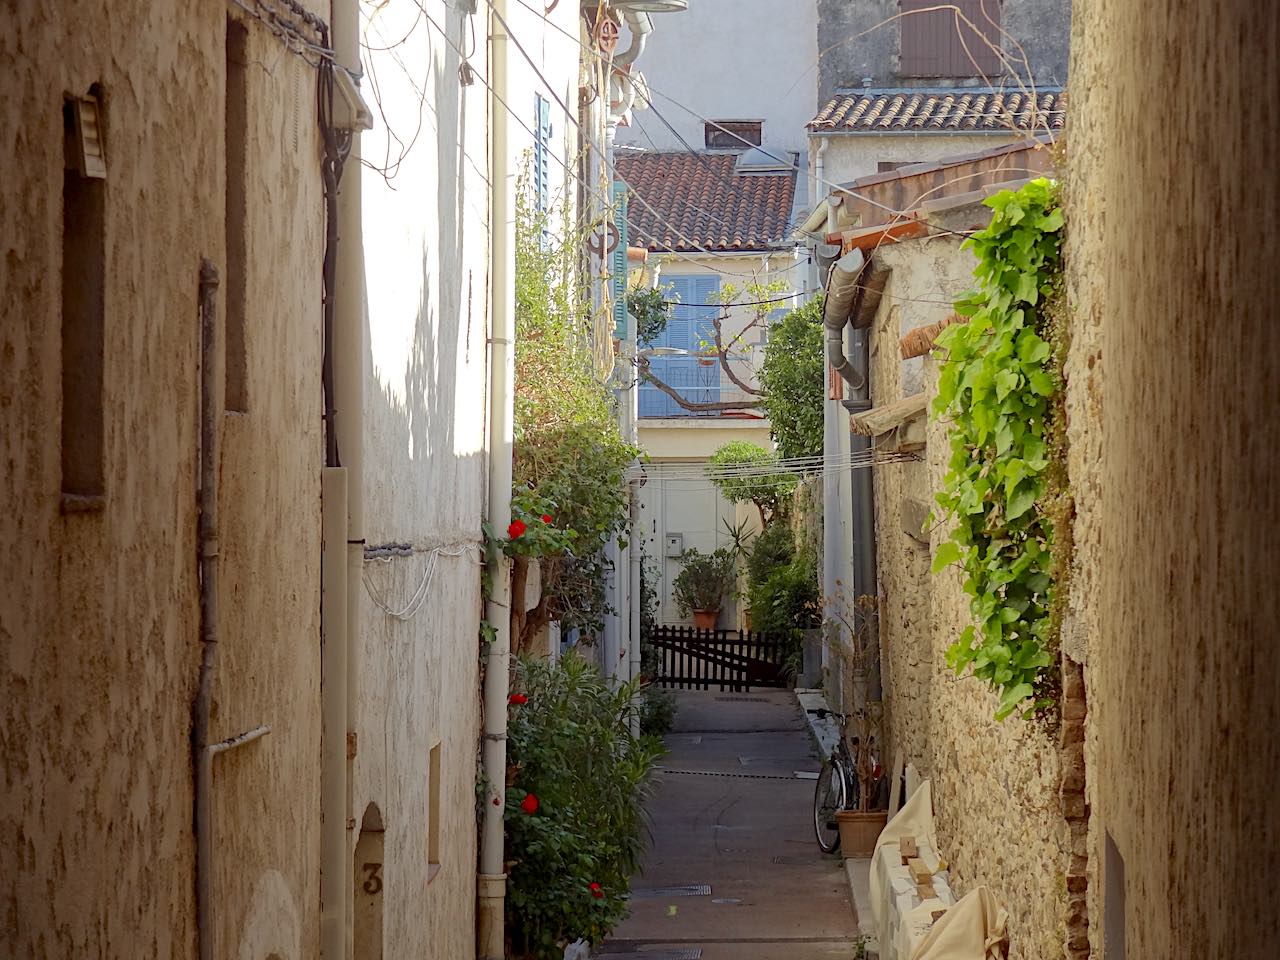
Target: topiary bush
{"points": [[577, 784]]}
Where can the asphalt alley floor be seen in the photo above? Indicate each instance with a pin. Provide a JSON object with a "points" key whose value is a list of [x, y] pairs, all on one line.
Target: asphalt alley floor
{"points": [[730, 812]]}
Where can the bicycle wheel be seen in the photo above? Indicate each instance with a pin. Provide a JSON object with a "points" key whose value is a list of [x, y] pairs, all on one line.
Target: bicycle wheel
{"points": [[828, 797]]}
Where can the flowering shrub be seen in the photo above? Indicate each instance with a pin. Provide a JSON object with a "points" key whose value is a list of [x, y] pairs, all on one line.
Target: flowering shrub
{"points": [[576, 787], [568, 449], [533, 532]]}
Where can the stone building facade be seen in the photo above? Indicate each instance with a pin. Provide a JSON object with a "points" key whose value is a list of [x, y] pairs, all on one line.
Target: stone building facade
{"points": [[995, 784]]}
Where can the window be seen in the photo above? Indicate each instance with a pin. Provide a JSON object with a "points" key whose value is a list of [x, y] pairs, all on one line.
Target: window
{"points": [[689, 324], [732, 134], [83, 301], [542, 151], [940, 43], [433, 814], [237, 399]]}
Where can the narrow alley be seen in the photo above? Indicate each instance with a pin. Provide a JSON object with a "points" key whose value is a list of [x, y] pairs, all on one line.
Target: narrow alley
{"points": [[734, 872]]}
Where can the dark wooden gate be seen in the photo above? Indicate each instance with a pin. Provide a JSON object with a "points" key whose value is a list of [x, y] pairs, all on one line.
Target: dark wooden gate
{"points": [[728, 659]]}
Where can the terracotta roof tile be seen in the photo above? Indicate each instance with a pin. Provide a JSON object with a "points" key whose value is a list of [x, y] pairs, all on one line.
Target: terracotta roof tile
{"points": [[963, 110], [700, 202]]}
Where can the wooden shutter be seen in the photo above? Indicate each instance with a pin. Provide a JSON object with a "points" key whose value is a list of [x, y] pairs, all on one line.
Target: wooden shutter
{"points": [[936, 43]]}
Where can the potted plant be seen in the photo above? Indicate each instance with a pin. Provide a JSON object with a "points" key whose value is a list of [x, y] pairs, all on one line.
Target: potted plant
{"points": [[855, 634], [701, 584]]}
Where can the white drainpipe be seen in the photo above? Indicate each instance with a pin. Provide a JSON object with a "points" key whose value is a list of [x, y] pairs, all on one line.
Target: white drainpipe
{"points": [[342, 524], [491, 881]]}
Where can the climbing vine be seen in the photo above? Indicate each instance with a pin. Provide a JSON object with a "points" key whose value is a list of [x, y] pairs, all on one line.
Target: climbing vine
{"points": [[999, 391]]}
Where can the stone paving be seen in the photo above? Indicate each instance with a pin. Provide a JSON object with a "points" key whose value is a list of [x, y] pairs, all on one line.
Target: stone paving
{"points": [[731, 813]]}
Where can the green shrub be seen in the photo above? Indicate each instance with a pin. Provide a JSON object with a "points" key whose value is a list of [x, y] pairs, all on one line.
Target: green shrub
{"points": [[773, 548], [657, 711], [576, 788], [787, 600]]}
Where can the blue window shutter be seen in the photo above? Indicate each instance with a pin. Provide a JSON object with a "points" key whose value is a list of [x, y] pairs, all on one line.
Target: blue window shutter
{"points": [[688, 324], [542, 151]]}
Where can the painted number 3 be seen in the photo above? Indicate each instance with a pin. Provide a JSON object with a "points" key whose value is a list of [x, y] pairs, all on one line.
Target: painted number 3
{"points": [[372, 882]]}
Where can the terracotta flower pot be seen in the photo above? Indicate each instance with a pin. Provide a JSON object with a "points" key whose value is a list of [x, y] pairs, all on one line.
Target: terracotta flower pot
{"points": [[705, 619], [859, 831]]}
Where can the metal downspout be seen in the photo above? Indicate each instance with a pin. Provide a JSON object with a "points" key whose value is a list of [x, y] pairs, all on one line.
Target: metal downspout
{"points": [[491, 880], [211, 383]]}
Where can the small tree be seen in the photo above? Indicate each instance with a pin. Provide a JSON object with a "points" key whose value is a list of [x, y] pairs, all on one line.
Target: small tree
{"points": [[792, 378], [743, 471]]}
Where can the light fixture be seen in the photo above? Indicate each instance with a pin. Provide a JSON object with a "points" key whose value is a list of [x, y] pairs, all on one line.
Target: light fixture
{"points": [[651, 6]]}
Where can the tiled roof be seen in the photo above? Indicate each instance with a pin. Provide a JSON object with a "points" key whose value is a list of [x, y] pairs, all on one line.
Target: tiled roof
{"points": [[962, 110], [698, 201]]}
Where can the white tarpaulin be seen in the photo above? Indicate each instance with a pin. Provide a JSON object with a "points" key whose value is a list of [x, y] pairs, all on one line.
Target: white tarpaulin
{"points": [[973, 929], [901, 917]]}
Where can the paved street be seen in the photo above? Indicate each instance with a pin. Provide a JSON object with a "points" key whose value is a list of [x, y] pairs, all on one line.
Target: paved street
{"points": [[731, 813]]}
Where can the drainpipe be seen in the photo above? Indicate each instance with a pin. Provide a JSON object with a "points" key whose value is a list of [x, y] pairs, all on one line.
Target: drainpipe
{"points": [[491, 881], [342, 524], [211, 381], [842, 291], [640, 26]]}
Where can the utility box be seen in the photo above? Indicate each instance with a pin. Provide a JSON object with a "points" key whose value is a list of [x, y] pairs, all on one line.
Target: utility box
{"points": [[675, 544]]}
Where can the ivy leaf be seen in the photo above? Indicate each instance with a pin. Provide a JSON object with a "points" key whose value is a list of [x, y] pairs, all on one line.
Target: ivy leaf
{"points": [[1006, 382], [1040, 382], [948, 553], [1028, 288], [1052, 222], [1013, 696], [1022, 500], [1032, 348]]}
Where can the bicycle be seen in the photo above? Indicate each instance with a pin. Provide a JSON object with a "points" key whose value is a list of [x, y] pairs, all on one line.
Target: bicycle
{"points": [[837, 788]]}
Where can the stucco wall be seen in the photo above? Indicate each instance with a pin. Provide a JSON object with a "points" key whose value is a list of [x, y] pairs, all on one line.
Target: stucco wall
{"points": [[849, 156], [99, 647], [856, 42], [1172, 274], [995, 784], [698, 57]]}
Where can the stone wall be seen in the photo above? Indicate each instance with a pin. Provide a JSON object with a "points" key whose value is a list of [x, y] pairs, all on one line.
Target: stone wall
{"points": [[1171, 268], [99, 650], [996, 784]]}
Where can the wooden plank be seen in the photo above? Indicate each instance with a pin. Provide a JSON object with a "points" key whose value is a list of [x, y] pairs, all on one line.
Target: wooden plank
{"points": [[895, 784], [907, 849], [920, 872], [925, 891]]}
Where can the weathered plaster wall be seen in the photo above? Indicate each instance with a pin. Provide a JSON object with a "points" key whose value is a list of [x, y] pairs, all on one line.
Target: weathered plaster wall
{"points": [[862, 38], [98, 621], [426, 229], [850, 156], [690, 54], [1172, 274], [995, 784]]}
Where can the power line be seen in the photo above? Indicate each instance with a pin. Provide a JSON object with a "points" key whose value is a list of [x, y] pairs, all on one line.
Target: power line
{"points": [[790, 164]]}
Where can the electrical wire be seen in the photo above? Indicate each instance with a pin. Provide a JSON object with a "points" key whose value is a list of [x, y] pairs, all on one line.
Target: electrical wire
{"points": [[422, 591], [791, 164]]}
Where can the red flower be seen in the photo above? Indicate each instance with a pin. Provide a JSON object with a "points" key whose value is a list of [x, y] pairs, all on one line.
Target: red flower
{"points": [[597, 891], [546, 518], [516, 529], [517, 698], [497, 802], [529, 804]]}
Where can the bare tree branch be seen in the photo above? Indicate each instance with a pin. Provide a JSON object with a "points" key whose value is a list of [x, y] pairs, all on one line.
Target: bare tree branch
{"points": [[693, 405], [723, 353]]}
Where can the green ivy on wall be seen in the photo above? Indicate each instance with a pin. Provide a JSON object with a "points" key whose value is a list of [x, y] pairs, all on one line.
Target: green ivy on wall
{"points": [[997, 392]]}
